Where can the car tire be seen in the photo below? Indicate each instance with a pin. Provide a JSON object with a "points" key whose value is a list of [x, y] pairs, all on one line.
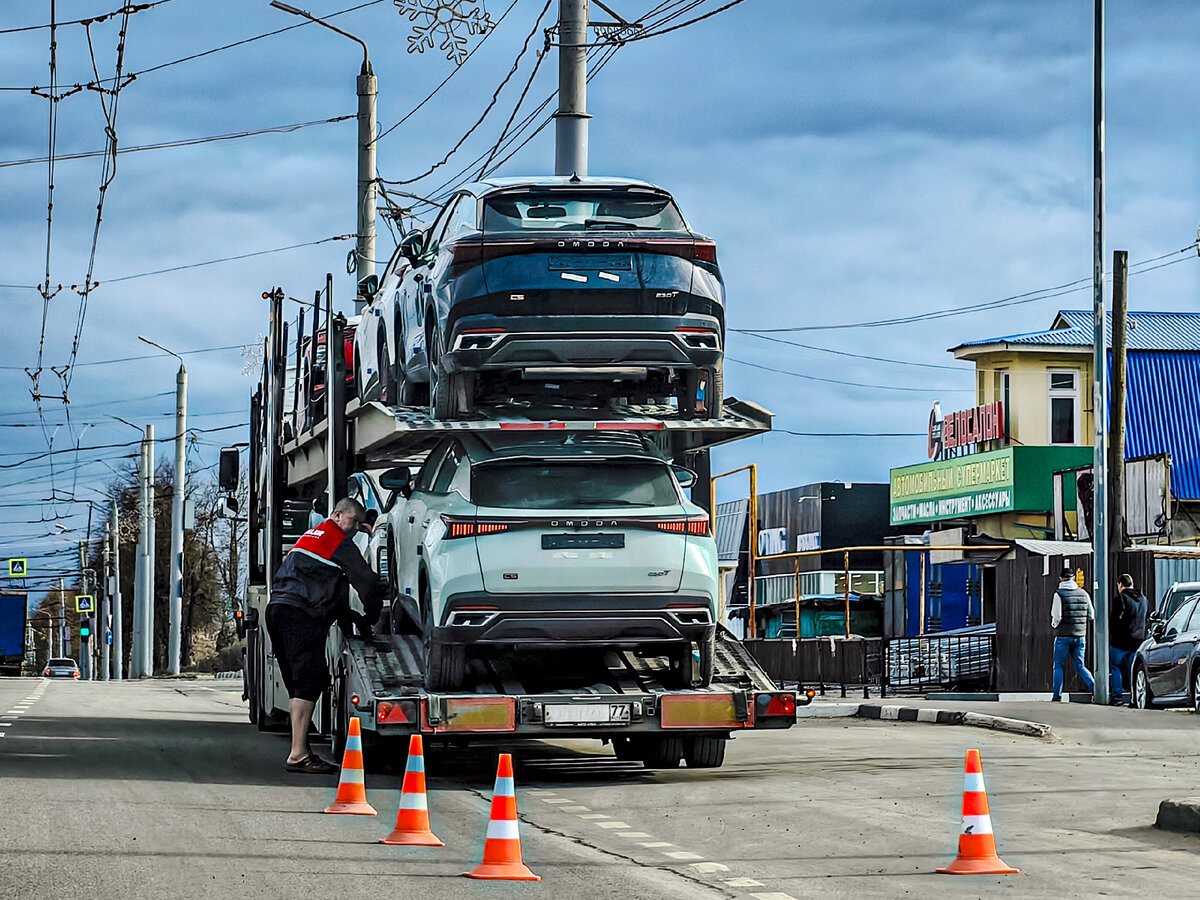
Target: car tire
{"points": [[1196, 690], [1143, 697], [705, 752], [714, 391], [445, 664], [387, 389], [687, 671], [663, 753]]}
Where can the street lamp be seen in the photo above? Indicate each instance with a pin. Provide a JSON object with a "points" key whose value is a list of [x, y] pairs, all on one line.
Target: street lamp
{"points": [[175, 618], [367, 88]]}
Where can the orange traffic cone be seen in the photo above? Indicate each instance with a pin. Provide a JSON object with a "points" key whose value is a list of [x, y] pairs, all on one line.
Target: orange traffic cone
{"points": [[412, 820], [502, 850], [352, 792], [976, 844]]}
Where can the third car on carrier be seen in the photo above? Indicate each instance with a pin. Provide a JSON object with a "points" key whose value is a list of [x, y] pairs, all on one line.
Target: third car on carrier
{"points": [[561, 541]]}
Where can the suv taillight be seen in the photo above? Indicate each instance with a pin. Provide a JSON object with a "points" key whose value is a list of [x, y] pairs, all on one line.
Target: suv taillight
{"points": [[705, 251], [460, 527], [697, 525]]}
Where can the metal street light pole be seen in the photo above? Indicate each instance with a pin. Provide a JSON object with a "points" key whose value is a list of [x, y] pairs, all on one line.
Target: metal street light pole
{"points": [[175, 618], [137, 631], [367, 89]]}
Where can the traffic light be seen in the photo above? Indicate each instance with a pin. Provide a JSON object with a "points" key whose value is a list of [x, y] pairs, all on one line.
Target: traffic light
{"points": [[85, 627]]}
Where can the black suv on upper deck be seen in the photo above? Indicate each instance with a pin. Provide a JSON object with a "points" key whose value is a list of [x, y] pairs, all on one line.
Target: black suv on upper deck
{"points": [[591, 287]]}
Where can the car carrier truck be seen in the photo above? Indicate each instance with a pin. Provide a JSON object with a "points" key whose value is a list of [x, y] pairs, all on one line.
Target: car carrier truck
{"points": [[622, 698]]}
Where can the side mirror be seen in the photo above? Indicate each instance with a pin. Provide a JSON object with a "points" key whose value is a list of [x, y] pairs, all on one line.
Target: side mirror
{"points": [[1158, 631], [412, 246], [396, 479], [685, 476], [368, 287], [229, 467]]}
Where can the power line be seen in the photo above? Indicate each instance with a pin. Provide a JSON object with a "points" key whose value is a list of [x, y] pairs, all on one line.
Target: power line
{"points": [[129, 7], [875, 387], [885, 359], [170, 145]]}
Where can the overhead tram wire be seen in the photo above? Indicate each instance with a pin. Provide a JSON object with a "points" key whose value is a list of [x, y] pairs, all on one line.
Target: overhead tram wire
{"points": [[875, 387]]}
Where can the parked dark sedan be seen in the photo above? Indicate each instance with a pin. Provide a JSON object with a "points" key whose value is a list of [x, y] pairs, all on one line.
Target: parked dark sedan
{"points": [[1166, 668], [590, 287]]}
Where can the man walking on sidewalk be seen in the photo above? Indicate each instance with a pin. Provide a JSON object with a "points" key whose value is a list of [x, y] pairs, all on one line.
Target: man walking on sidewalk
{"points": [[1126, 631], [1070, 611]]}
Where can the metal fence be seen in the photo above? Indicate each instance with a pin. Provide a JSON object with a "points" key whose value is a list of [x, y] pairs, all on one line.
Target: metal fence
{"points": [[965, 661], [823, 664]]}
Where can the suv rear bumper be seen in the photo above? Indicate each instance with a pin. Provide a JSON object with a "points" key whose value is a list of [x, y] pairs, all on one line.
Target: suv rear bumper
{"points": [[624, 621], [591, 344]]}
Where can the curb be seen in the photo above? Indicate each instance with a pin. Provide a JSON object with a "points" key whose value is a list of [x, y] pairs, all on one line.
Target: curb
{"points": [[953, 717], [1179, 815]]}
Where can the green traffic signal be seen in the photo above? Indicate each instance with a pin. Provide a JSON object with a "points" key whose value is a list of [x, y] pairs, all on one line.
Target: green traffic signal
{"points": [[85, 628]]}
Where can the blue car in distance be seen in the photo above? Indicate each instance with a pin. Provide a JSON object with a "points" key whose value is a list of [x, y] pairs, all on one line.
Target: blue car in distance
{"points": [[589, 289]]}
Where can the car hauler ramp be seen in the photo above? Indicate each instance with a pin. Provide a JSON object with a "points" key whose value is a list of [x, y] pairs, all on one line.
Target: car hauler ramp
{"points": [[385, 436]]}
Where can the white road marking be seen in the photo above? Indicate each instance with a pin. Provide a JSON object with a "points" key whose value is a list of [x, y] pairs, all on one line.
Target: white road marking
{"points": [[742, 882], [1, 734], [595, 816], [554, 800], [682, 854], [15, 712], [5, 723], [574, 809], [614, 825], [633, 834], [776, 895], [653, 845], [707, 868], [536, 791]]}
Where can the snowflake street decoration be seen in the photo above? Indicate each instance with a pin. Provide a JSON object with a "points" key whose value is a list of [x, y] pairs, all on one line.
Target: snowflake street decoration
{"points": [[444, 20]]}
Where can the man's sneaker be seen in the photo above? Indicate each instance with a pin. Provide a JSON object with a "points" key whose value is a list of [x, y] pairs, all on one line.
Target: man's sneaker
{"points": [[1056, 699]]}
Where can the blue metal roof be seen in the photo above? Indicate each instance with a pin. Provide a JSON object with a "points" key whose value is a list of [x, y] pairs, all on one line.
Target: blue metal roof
{"points": [[1147, 331], [1164, 414]]}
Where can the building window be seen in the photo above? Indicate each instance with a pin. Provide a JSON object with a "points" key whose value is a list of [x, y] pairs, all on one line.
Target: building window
{"points": [[1062, 401]]}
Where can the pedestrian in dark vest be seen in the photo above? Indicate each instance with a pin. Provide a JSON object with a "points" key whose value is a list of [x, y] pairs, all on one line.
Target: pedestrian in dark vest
{"points": [[1126, 631], [309, 593], [1070, 611]]}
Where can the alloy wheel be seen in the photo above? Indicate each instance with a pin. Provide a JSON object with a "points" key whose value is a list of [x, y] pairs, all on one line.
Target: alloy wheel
{"points": [[1140, 689]]}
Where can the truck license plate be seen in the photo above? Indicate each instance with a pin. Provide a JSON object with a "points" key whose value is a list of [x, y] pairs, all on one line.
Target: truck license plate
{"points": [[587, 714]]}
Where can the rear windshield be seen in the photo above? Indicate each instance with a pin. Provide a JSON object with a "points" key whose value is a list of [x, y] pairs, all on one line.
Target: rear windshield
{"points": [[61, 662], [551, 484], [534, 210]]}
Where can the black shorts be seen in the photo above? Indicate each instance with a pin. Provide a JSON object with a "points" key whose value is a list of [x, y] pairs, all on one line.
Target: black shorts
{"points": [[299, 644]]}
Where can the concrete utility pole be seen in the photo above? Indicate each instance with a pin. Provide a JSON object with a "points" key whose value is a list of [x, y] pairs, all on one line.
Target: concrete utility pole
{"points": [[1101, 584], [368, 91], [105, 605], [117, 613], [175, 618], [148, 612], [571, 119]]}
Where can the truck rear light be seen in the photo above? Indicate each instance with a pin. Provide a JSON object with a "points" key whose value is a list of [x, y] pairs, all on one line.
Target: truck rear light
{"points": [[695, 525], [460, 527], [782, 704], [403, 712]]}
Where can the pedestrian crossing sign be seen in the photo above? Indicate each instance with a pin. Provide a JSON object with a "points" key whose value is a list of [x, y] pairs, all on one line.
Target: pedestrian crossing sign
{"points": [[85, 603], [18, 568]]}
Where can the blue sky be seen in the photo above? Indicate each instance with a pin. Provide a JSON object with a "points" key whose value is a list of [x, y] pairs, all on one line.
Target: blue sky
{"points": [[855, 161]]}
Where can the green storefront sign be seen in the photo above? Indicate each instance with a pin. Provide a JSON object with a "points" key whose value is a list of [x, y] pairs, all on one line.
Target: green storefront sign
{"points": [[1014, 479]]}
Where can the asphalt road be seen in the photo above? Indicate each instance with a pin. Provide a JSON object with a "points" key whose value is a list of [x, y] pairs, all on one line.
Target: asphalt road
{"points": [[163, 789]]}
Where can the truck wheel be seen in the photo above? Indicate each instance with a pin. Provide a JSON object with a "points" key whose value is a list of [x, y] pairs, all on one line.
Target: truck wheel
{"points": [[445, 664], [687, 671], [663, 753], [626, 749], [705, 752]]}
